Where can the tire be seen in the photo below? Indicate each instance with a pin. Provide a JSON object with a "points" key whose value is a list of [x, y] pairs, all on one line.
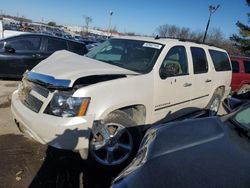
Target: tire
{"points": [[123, 141], [244, 89], [214, 105]]}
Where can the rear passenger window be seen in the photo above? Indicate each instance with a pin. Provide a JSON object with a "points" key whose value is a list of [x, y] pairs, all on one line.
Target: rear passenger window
{"points": [[56, 44], [77, 48], [247, 66], [235, 66], [220, 60], [199, 60]]}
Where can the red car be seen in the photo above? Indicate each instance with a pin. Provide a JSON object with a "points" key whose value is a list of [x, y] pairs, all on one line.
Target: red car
{"points": [[241, 74]]}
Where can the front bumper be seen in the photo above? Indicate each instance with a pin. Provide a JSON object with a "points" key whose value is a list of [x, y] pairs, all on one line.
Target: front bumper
{"points": [[63, 133]]}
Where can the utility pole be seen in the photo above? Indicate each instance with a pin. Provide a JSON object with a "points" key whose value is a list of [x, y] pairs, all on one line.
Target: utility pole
{"points": [[212, 10], [110, 15]]}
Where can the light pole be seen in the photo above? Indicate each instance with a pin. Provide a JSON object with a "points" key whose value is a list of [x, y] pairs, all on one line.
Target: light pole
{"points": [[110, 15], [212, 10]]}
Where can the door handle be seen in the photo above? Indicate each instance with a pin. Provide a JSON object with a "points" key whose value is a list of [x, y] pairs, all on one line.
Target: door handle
{"points": [[208, 80], [36, 55], [187, 85]]}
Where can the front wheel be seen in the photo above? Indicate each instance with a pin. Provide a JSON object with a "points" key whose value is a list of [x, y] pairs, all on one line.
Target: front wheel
{"points": [[116, 141]]}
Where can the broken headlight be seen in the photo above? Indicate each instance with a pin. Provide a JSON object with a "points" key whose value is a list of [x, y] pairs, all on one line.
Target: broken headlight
{"points": [[65, 105]]}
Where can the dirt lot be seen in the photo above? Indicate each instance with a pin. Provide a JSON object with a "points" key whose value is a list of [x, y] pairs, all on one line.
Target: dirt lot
{"points": [[26, 163]]}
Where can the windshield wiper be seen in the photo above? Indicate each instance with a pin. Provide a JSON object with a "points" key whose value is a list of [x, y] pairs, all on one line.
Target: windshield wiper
{"points": [[108, 61]]}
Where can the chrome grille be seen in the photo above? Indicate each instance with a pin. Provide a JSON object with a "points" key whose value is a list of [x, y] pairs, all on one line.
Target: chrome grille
{"points": [[28, 99], [41, 90], [32, 103]]}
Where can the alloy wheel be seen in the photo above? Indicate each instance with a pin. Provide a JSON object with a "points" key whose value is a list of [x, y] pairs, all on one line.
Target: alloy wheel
{"points": [[115, 147]]}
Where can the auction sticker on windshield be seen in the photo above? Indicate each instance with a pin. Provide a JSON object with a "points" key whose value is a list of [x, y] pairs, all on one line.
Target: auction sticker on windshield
{"points": [[152, 45]]}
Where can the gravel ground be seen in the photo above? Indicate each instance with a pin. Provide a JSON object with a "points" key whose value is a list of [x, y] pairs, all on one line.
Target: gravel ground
{"points": [[7, 125]]}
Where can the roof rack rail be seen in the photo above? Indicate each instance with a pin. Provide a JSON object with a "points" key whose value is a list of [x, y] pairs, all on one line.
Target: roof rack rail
{"points": [[239, 56], [185, 40]]}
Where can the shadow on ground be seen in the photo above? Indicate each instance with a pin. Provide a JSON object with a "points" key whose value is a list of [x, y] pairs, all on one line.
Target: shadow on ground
{"points": [[66, 169], [26, 163]]}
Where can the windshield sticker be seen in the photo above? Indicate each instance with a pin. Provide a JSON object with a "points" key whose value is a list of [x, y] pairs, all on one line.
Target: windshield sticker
{"points": [[152, 45]]}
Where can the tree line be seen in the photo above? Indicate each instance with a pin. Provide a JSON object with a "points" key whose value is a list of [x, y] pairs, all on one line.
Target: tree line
{"points": [[237, 44]]}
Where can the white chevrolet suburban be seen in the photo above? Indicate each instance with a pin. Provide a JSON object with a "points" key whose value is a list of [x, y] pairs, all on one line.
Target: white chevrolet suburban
{"points": [[98, 102]]}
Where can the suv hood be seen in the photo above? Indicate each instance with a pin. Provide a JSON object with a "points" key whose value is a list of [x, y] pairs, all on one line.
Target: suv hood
{"points": [[70, 66]]}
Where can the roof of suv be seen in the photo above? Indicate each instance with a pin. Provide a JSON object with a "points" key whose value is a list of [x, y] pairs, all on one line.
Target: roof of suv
{"points": [[164, 41], [239, 57]]}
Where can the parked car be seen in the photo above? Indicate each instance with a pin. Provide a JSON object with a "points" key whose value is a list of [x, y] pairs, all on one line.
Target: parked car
{"points": [[92, 45], [241, 74], [23, 52], [119, 86], [205, 152]]}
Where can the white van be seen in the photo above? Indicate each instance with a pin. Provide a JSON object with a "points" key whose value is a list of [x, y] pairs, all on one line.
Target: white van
{"points": [[8, 33], [98, 102]]}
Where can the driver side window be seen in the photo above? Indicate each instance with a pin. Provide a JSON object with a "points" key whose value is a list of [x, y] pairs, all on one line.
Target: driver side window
{"points": [[25, 43], [175, 62]]}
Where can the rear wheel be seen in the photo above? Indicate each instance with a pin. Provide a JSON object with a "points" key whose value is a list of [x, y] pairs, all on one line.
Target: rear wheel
{"points": [[117, 141]]}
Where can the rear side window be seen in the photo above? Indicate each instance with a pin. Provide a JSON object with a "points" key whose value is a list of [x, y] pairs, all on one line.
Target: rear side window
{"points": [[220, 60], [56, 44], [235, 66], [199, 60], [77, 48], [247, 66]]}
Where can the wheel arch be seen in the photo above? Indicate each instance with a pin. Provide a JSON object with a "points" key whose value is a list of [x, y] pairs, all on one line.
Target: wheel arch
{"points": [[137, 112], [220, 90]]}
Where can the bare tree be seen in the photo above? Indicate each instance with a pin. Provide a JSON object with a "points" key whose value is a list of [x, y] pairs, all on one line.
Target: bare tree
{"points": [[88, 20], [215, 36], [173, 31]]}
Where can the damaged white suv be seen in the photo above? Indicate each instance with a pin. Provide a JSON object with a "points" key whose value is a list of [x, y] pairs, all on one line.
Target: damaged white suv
{"points": [[98, 102]]}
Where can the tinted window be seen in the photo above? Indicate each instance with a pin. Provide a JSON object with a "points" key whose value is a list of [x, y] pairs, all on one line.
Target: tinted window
{"points": [[25, 43], [235, 66], [56, 44], [247, 66], [175, 62], [77, 48], [242, 118], [220, 60], [1, 44], [199, 60]]}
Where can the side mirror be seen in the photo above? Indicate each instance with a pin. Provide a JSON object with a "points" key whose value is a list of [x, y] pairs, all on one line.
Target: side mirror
{"points": [[8, 48], [170, 69], [163, 73]]}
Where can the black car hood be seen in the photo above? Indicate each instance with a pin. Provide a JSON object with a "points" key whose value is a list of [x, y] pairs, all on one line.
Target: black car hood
{"points": [[193, 153]]}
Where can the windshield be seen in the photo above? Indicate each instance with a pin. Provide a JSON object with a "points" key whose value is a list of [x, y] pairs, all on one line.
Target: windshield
{"points": [[242, 118], [135, 55]]}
